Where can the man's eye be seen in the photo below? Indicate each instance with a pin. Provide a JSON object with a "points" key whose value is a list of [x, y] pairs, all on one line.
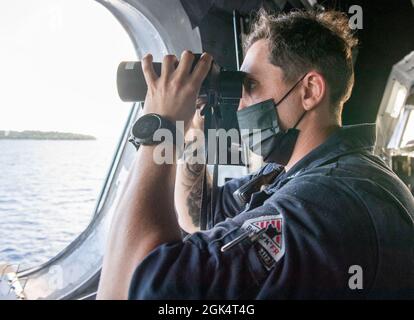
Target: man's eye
{"points": [[250, 85]]}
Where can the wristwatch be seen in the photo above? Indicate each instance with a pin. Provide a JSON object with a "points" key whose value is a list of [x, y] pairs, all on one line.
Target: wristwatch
{"points": [[144, 128]]}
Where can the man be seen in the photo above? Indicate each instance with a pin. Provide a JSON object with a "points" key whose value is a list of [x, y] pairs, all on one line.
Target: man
{"points": [[325, 218]]}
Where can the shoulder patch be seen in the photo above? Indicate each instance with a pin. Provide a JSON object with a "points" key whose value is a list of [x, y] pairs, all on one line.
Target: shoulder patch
{"points": [[270, 246]]}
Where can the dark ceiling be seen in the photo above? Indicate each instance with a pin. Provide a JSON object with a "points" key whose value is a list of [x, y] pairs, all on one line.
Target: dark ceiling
{"points": [[387, 36]]}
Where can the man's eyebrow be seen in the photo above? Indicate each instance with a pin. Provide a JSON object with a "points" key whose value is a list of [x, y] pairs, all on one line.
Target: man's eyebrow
{"points": [[250, 74], [250, 78]]}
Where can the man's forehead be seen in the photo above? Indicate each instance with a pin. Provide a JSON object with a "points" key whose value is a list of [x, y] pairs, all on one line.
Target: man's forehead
{"points": [[256, 62], [256, 56]]}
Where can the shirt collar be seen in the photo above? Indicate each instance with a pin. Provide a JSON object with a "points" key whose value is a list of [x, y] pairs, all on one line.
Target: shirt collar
{"points": [[347, 139]]}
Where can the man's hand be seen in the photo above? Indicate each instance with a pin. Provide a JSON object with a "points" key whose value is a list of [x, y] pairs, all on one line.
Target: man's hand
{"points": [[173, 95]]}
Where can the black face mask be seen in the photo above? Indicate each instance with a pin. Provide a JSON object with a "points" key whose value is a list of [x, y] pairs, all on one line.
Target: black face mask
{"points": [[260, 129]]}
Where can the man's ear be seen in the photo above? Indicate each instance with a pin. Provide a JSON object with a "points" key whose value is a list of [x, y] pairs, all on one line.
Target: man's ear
{"points": [[314, 90]]}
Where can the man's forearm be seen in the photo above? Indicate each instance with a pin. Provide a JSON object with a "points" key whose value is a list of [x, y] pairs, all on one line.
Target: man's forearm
{"points": [[144, 219]]}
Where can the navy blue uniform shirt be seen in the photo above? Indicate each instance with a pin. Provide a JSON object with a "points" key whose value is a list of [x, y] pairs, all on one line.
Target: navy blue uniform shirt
{"points": [[339, 224]]}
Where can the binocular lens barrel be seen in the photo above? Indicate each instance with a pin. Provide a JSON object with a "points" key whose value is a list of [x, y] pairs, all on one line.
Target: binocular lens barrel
{"points": [[131, 81]]}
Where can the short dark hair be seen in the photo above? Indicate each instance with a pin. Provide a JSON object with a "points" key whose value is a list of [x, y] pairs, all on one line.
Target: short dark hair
{"points": [[303, 40]]}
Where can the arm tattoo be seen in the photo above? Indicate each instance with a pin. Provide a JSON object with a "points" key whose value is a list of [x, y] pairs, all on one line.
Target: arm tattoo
{"points": [[194, 173], [195, 187]]}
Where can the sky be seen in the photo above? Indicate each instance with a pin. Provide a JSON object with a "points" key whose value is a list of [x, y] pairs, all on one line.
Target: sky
{"points": [[58, 62]]}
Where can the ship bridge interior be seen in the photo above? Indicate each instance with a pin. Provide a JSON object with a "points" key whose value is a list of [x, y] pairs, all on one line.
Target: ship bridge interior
{"points": [[383, 93]]}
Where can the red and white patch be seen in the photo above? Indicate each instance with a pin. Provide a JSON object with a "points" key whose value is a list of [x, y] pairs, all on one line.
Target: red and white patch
{"points": [[271, 243]]}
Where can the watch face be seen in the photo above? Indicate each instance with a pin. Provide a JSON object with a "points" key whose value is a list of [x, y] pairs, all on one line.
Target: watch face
{"points": [[145, 127]]}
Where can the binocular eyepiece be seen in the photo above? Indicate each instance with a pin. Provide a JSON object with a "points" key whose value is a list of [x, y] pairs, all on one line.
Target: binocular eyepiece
{"points": [[226, 86]]}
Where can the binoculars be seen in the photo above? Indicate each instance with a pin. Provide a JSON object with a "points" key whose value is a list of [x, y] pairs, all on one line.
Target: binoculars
{"points": [[224, 86]]}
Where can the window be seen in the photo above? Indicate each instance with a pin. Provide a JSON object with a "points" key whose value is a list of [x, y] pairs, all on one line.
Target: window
{"points": [[408, 135], [58, 62]]}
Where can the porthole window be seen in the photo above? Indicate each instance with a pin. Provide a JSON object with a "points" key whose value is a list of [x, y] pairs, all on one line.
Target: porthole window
{"points": [[60, 121]]}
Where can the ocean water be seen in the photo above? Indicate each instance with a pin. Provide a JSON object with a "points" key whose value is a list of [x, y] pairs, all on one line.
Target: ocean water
{"points": [[48, 191]]}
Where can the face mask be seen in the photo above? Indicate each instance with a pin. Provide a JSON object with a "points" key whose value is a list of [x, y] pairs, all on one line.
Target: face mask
{"points": [[260, 130]]}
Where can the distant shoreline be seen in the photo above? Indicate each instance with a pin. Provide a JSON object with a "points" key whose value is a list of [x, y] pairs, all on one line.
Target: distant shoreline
{"points": [[42, 135]]}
